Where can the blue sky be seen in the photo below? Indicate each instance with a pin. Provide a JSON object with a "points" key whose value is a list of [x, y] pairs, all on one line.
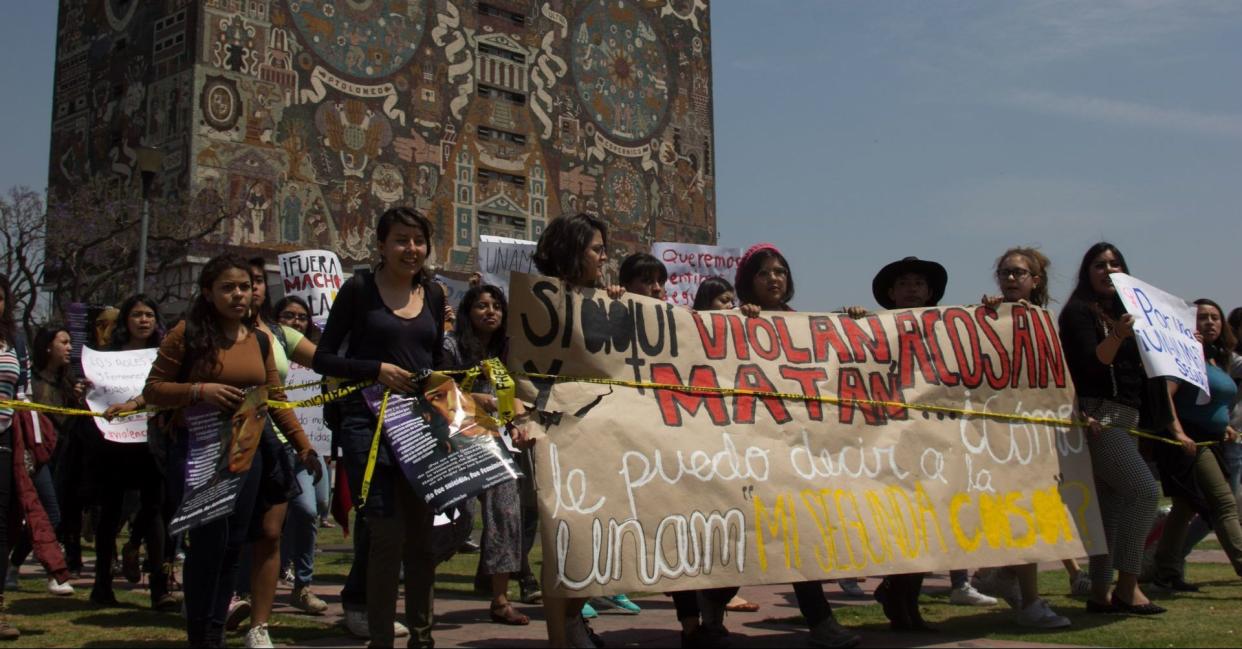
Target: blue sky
{"points": [[855, 133]]}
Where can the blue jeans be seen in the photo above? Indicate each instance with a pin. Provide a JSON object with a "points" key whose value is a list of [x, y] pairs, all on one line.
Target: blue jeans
{"points": [[46, 489], [1199, 528], [297, 543]]}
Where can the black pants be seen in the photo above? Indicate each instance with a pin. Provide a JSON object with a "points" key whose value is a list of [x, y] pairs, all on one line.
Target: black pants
{"points": [[123, 467], [812, 602], [211, 560], [687, 601], [70, 475]]}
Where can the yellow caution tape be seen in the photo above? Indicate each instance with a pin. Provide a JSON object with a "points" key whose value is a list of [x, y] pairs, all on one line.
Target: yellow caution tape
{"points": [[374, 452]]}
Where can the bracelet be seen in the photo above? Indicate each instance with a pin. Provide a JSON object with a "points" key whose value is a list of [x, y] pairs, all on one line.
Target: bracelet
{"points": [[196, 392]]}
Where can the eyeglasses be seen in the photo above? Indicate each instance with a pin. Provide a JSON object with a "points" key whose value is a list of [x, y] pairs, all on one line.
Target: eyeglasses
{"points": [[773, 273], [294, 317], [1016, 273]]}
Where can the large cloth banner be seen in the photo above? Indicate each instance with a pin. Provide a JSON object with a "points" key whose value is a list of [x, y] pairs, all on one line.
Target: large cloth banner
{"points": [[117, 377], [499, 256], [646, 489], [689, 264], [314, 276], [1164, 326]]}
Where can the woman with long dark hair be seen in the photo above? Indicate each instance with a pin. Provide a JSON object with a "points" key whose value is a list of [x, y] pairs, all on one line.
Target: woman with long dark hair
{"points": [[49, 384], [573, 249], [479, 335], [393, 322], [1103, 359], [122, 466], [215, 356], [1197, 477], [293, 312], [764, 282]]}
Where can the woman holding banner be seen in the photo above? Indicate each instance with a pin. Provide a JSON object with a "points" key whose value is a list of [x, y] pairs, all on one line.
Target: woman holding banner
{"points": [[1195, 476], [1022, 276], [393, 322], [283, 484], [573, 249], [479, 335], [123, 466], [764, 282], [1103, 359], [214, 357]]}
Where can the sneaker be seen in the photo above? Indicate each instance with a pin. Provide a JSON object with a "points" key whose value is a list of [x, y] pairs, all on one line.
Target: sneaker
{"points": [[531, 594], [60, 590], [619, 602], [10, 580], [851, 588], [589, 611], [286, 575], [1080, 585], [356, 624], [998, 582], [578, 634], [239, 610], [304, 600], [1041, 616], [966, 595], [257, 636], [832, 635]]}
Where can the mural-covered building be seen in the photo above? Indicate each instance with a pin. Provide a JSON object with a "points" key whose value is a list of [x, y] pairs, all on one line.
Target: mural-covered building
{"points": [[306, 119]]}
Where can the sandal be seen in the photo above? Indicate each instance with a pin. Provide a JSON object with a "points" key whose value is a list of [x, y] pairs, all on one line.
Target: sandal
{"points": [[739, 605], [504, 614]]}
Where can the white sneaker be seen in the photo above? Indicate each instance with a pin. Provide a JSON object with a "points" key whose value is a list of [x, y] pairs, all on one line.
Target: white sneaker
{"points": [[1041, 616], [998, 582], [257, 636], [60, 590], [968, 596], [10, 580], [356, 624], [1080, 586]]}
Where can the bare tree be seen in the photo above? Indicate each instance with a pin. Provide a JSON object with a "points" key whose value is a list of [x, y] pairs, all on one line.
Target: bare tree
{"points": [[22, 239], [92, 242]]}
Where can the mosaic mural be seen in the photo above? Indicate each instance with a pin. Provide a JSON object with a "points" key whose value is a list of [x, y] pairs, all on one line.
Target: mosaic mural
{"points": [[309, 117]]}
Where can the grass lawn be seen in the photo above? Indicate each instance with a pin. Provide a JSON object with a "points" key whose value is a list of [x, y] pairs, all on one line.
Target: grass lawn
{"points": [[1212, 618]]}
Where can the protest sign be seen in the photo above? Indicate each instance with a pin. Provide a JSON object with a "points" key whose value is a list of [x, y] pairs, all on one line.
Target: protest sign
{"points": [[314, 276], [1164, 326], [860, 458], [117, 377], [444, 453], [689, 264], [220, 450], [454, 289], [499, 256], [311, 417]]}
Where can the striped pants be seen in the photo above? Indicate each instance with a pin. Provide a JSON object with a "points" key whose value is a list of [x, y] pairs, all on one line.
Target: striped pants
{"points": [[1127, 491]]}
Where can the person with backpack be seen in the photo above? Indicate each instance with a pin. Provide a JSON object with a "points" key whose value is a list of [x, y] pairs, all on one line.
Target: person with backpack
{"points": [[393, 322], [214, 357]]}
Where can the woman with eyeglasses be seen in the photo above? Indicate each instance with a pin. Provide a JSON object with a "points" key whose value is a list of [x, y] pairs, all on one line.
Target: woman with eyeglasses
{"points": [[293, 312]]}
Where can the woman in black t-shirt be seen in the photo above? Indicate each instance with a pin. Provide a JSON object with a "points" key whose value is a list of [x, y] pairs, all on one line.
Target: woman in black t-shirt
{"points": [[1103, 359], [393, 321]]}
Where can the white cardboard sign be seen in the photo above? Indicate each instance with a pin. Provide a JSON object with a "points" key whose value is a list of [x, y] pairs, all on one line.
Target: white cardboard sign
{"points": [[499, 256], [689, 264], [117, 377], [1164, 326], [314, 276]]}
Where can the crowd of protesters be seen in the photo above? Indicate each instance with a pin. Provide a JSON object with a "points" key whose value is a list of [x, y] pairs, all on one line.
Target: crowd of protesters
{"points": [[390, 324]]}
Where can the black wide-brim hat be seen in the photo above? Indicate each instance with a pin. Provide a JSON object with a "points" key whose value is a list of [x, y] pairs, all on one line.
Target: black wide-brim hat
{"points": [[937, 279]]}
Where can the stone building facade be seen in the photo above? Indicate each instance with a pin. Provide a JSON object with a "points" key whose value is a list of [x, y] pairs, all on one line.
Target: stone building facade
{"points": [[306, 119]]}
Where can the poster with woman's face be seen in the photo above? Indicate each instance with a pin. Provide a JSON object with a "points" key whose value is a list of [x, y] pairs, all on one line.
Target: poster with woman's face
{"points": [[459, 410], [246, 430]]}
